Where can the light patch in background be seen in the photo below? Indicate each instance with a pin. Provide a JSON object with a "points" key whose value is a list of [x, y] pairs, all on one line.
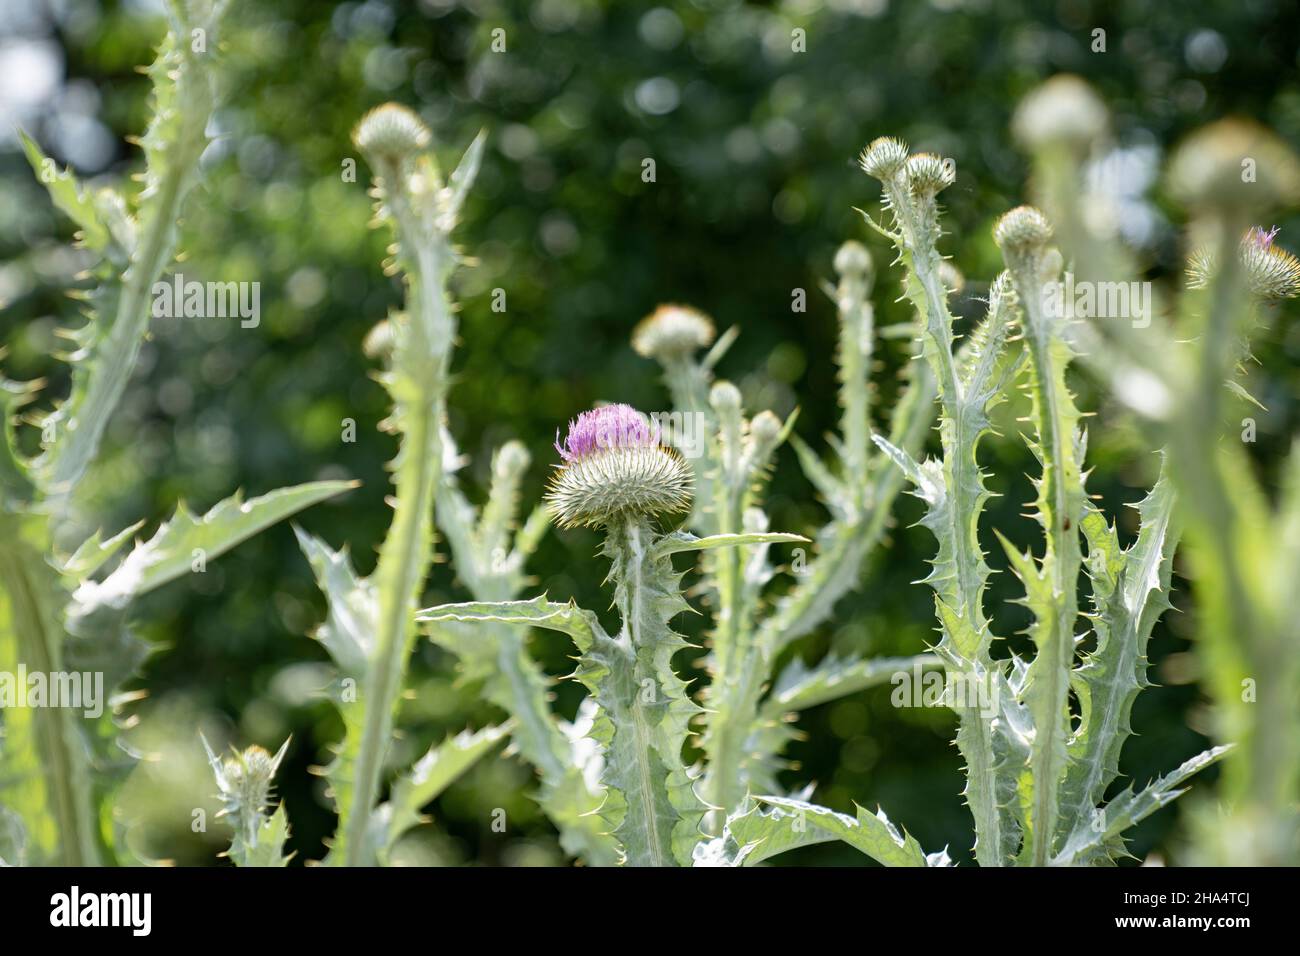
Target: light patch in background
{"points": [[31, 71], [1117, 184]]}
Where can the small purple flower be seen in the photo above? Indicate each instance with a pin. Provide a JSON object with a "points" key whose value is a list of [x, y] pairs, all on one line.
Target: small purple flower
{"points": [[610, 426]]}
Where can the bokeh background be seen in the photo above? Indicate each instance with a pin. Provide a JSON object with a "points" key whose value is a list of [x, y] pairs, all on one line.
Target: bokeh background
{"points": [[754, 147]]}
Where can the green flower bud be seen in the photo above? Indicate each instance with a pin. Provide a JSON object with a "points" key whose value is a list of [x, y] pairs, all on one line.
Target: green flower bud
{"points": [[1023, 230]]}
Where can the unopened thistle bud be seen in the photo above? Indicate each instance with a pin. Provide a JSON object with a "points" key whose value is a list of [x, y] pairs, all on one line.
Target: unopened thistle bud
{"points": [[883, 158], [511, 461], [1063, 110], [1234, 165], [725, 398], [245, 779], [1021, 231], [616, 467], [672, 331], [764, 431], [853, 259], [392, 132], [929, 175]]}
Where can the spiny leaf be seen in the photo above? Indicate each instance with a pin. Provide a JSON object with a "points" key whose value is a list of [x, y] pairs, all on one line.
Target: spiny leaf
{"points": [[16, 486], [352, 613], [91, 555], [872, 834], [462, 178], [568, 618], [44, 762], [1130, 591], [171, 552], [183, 98], [268, 849], [433, 773], [1129, 808], [682, 541], [800, 687], [758, 833], [73, 199]]}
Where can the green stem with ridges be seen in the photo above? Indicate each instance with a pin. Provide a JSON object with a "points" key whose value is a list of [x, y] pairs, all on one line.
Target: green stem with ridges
{"points": [[960, 571], [662, 805], [64, 769], [418, 383], [1061, 505], [183, 102]]}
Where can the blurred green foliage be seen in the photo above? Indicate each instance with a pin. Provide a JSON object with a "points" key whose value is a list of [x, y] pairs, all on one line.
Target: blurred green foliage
{"points": [[753, 148]]}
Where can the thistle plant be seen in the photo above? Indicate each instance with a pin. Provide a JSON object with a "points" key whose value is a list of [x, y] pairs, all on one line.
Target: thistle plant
{"points": [[245, 780], [749, 706], [64, 617], [618, 476], [615, 463], [1239, 544], [488, 553], [370, 626], [1036, 777]]}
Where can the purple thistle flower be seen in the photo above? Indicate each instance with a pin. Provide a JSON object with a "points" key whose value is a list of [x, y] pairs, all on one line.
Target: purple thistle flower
{"points": [[610, 426], [614, 469], [1270, 271]]}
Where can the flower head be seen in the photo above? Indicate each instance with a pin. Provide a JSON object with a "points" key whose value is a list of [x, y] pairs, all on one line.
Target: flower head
{"points": [[1022, 230], [391, 131], [1259, 238], [883, 158], [245, 780], [672, 331], [1063, 110], [1234, 165], [614, 465], [1271, 272], [610, 426], [928, 174]]}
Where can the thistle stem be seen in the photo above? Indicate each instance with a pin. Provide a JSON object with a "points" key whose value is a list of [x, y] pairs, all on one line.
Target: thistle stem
{"points": [[65, 771], [420, 375], [631, 541]]}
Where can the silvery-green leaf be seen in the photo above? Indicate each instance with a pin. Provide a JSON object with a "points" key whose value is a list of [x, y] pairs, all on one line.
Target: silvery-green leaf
{"points": [[872, 834], [173, 549], [683, 541], [433, 773]]}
